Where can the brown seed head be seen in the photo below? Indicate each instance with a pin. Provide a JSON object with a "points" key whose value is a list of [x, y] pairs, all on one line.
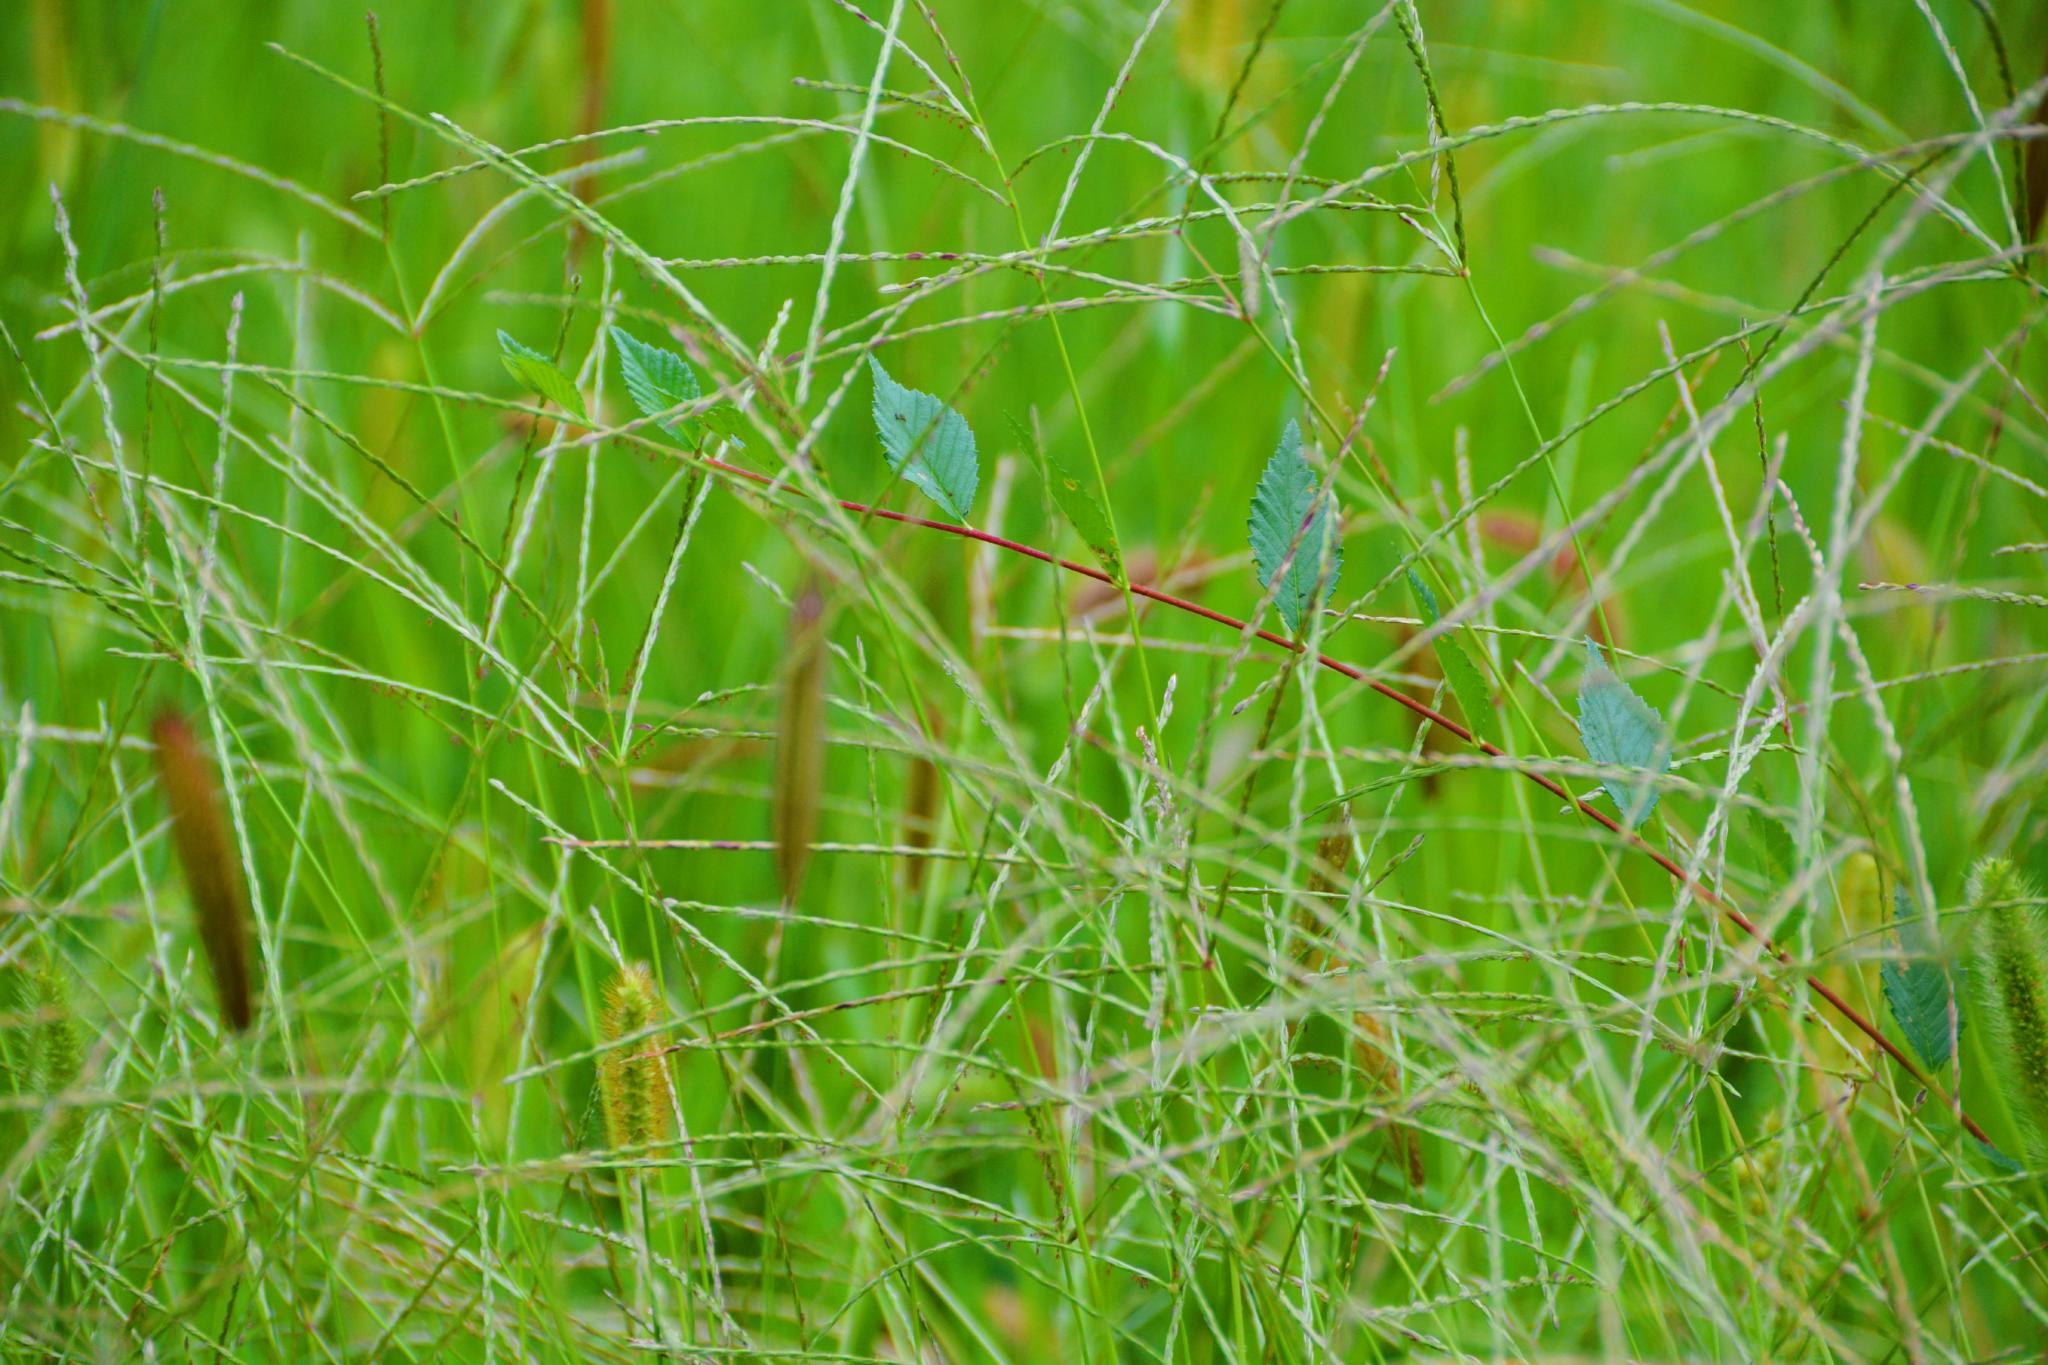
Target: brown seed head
{"points": [[800, 742], [200, 836]]}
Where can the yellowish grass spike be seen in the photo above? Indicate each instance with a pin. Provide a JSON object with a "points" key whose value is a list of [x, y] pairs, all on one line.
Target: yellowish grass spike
{"points": [[800, 742], [633, 1075], [200, 835]]}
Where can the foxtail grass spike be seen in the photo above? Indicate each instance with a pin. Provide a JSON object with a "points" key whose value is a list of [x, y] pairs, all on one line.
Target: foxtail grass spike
{"points": [[632, 1076], [199, 832], [800, 742], [56, 1054], [2005, 906]]}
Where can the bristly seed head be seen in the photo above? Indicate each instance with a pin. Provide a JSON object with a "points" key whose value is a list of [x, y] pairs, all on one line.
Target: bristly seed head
{"points": [[200, 836], [633, 1075], [2006, 908]]}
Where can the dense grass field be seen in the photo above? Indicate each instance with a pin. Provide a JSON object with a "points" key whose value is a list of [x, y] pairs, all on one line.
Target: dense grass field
{"points": [[555, 807]]}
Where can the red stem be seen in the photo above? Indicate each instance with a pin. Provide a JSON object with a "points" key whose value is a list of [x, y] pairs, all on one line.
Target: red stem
{"points": [[1444, 723]]}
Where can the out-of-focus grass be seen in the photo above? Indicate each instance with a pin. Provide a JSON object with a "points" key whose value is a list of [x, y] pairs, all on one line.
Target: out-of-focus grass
{"points": [[1011, 1075]]}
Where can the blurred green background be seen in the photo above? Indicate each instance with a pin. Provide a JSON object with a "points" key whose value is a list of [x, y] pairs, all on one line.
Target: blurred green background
{"points": [[424, 942]]}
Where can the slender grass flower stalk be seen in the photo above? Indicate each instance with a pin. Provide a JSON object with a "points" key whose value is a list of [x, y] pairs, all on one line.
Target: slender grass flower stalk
{"points": [[2006, 909], [633, 1077], [200, 835], [800, 742]]}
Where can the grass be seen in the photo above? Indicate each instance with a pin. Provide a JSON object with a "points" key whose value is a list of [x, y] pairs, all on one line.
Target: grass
{"points": [[1033, 958]]}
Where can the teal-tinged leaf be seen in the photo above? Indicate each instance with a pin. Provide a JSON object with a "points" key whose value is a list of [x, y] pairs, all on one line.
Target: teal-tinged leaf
{"points": [[1621, 730], [540, 374], [1073, 495], [1923, 993], [927, 443], [1999, 1159], [660, 381], [1468, 684], [1281, 517]]}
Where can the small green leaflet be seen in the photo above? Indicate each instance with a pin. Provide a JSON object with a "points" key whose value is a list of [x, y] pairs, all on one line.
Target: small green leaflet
{"points": [[1773, 842], [540, 374], [1621, 730], [1999, 1159], [1070, 493], [927, 443], [1282, 504], [1921, 993], [659, 381], [1468, 684]]}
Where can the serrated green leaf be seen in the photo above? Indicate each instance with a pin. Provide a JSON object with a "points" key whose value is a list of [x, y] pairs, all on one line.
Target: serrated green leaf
{"points": [[927, 443], [660, 381], [1621, 730], [1072, 495], [1773, 843], [1468, 684], [725, 421], [1923, 994], [1286, 510], [540, 374]]}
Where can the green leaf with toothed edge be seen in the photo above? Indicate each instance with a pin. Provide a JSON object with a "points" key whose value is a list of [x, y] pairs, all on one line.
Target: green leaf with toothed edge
{"points": [[1771, 840], [1924, 995], [1072, 495], [1621, 730], [1293, 542], [540, 374], [1468, 684], [660, 381], [927, 443]]}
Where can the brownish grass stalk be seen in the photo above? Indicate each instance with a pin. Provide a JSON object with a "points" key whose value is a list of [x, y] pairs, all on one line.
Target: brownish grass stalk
{"points": [[204, 852], [800, 742]]}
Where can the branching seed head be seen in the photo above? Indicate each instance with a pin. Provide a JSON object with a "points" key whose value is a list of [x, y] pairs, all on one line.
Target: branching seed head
{"points": [[633, 1075], [204, 851]]}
